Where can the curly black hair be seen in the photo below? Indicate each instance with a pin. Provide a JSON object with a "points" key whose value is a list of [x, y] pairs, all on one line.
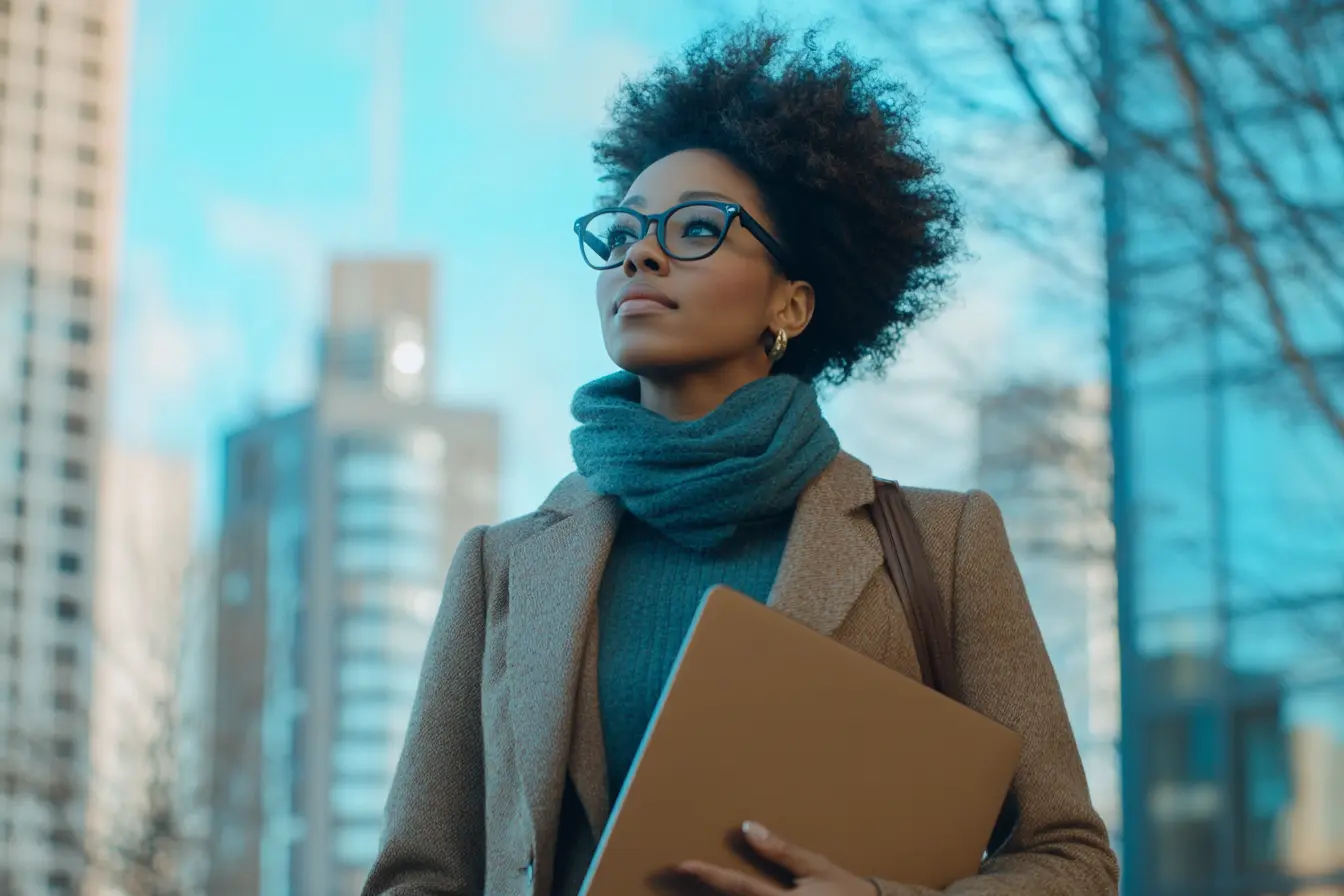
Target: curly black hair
{"points": [[855, 196]]}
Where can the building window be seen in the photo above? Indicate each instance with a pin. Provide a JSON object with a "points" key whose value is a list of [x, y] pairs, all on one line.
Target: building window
{"points": [[84, 199], [25, 414], [20, 507], [68, 563], [59, 882], [63, 748], [90, 68], [82, 286], [88, 111], [93, 27], [87, 155], [63, 701], [26, 368], [14, 551], [251, 472], [67, 609], [72, 517], [21, 461], [73, 470], [43, 15], [80, 332], [76, 424], [77, 379], [83, 242], [64, 655]]}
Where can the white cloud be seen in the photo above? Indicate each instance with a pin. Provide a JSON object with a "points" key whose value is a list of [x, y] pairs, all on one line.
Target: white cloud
{"points": [[261, 234], [564, 75], [525, 26], [575, 86], [167, 355]]}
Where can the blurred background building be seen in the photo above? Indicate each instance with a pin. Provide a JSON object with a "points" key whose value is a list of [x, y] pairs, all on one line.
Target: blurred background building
{"points": [[62, 106], [146, 508], [1224, 205], [1045, 457], [340, 519]]}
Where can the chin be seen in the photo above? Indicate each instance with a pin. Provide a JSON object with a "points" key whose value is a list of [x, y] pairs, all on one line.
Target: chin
{"points": [[651, 359]]}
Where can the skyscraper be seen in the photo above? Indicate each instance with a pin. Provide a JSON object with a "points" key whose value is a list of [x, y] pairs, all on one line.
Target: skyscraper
{"points": [[62, 80], [1227, 368], [340, 520], [1044, 456]]}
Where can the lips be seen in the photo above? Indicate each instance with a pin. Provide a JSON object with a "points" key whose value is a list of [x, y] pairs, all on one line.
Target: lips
{"points": [[643, 295]]}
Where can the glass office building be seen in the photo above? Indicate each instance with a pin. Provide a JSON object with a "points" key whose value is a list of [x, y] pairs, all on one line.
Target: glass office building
{"points": [[340, 521], [1229, 472]]}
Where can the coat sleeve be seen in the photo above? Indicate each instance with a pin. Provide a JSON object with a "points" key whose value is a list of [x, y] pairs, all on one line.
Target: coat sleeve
{"points": [[1061, 846], [433, 840]]}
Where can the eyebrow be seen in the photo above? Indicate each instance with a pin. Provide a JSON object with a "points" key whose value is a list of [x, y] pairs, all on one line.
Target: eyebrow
{"points": [[685, 197]]}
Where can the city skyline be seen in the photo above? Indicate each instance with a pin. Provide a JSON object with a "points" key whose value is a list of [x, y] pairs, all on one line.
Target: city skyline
{"points": [[232, 216]]}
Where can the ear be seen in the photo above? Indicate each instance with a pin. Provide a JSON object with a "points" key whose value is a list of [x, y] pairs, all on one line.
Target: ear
{"points": [[794, 309]]}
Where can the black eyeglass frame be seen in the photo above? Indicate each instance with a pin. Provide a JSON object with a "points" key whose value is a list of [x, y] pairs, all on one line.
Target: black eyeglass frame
{"points": [[731, 211]]}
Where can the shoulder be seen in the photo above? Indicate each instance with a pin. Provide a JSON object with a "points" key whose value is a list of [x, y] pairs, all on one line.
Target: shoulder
{"points": [[495, 542], [950, 521]]}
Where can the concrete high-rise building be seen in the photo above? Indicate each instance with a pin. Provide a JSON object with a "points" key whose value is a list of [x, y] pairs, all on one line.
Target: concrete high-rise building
{"points": [[339, 523], [62, 105], [1045, 457], [146, 512]]}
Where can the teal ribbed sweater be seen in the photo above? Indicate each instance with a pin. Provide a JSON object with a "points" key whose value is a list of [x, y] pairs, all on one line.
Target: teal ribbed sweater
{"points": [[650, 591]]}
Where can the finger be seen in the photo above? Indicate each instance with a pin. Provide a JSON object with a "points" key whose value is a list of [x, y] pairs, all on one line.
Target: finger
{"points": [[730, 882], [799, 861]]}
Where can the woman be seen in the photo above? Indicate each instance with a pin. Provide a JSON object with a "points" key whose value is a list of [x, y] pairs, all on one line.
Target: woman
{"points": [[778, 225]]}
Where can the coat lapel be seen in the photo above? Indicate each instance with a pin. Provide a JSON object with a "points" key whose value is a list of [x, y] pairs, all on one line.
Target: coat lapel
{"points": [[552, 640], [830, 556], [832, 551]]}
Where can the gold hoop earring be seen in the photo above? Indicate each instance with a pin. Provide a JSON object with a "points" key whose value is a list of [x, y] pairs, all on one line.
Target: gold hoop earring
{"points": [[781, 345]]}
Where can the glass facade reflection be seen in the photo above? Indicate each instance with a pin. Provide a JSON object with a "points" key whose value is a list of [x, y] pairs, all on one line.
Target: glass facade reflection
{"points": [[1228, 479]]}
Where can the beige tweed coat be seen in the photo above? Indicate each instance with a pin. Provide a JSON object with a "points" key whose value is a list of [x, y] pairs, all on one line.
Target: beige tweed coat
{"points": [[506, 719]]}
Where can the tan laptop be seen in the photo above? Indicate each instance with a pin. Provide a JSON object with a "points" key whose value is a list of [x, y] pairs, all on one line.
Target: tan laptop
{"points": [[767, 720]]}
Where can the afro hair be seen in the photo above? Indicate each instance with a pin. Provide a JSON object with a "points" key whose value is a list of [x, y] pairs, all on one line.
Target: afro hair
{"points": [[855, 197]]}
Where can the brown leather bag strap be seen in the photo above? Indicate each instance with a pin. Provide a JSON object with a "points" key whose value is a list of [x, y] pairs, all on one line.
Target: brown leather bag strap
{"points": [[908, 566], [910, 572]]}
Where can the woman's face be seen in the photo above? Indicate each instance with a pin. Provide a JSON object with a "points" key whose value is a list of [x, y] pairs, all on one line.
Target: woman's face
{"points": [[704, 314]]}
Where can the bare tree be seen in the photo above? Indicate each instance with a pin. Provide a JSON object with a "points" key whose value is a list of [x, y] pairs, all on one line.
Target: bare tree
{"points": [[1237, 119]]}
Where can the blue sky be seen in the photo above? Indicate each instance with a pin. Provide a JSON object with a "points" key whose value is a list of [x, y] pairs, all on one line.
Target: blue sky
{"points": [[263, 138]]}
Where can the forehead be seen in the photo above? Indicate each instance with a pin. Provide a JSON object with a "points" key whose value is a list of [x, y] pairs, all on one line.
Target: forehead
{"points": [[660, 184]]}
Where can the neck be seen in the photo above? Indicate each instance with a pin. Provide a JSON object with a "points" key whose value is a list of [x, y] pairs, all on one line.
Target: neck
{"points": [[690, 395]]}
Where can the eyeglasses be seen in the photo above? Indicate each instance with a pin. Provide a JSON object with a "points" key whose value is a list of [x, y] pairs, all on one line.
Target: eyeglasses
{"points": [[687, 232]]}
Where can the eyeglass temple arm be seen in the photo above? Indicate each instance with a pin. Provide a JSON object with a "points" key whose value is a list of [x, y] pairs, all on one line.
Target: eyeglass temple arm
{"points": [[595, 244], [756, 230]]}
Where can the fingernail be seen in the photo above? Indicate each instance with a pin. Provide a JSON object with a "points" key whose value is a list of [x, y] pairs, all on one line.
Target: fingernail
{"points": [[755, 830]]}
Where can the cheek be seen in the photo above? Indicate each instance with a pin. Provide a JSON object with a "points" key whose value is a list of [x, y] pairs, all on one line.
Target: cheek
{"points": [[733, 296], [607, 285]]}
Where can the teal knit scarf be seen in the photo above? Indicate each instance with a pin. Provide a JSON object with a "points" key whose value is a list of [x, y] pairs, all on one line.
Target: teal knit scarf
{"points": [[697, 481]]}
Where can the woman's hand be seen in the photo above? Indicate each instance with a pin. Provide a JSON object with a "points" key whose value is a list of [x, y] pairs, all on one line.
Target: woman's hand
{"points": [[813, 874]]}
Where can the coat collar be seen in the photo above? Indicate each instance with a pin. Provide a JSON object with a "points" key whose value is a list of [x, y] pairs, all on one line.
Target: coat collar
{"points": [[552, 635]]}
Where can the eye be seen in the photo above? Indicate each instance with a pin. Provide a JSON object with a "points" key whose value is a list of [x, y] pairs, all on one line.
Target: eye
{"points": [[702, 227], [619, 235]]}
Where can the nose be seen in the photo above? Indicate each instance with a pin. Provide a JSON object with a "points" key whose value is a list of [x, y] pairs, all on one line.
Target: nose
{"points": [[646, 255]]}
